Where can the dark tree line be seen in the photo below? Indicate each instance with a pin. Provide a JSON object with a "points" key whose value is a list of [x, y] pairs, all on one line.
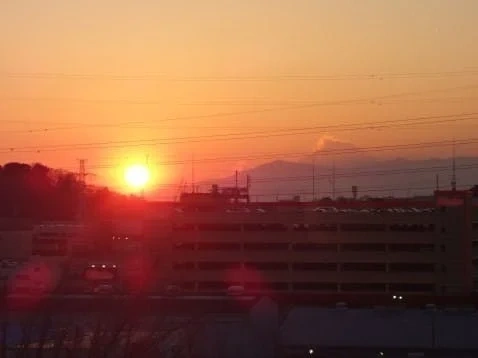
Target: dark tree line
{"points": [[38, 192], [114, 333]]}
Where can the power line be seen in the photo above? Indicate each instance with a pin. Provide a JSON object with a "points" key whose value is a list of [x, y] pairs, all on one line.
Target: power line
{"points": [[352, 174], [349, 174], [250, 102], [329, 127], [281, 77], [244, 135], [274, 109], [337, 152]]}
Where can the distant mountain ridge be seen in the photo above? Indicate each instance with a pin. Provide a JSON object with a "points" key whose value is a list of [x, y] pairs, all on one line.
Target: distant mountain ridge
{"points": [[282, 179]]}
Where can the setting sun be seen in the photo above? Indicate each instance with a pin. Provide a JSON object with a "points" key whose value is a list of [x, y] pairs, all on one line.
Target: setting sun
{"points": [[137, 175]]}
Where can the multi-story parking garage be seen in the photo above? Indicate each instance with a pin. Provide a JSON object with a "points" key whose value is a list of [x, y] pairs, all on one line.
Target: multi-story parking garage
{"points": [[292, 247], [399, 247]]}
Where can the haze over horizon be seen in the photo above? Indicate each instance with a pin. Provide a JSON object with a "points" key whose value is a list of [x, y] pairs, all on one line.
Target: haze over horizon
{"points": [[181, 81]]}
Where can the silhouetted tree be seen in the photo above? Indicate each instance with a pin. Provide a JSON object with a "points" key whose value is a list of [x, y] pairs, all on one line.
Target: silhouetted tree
{"points": [[41, 193]]}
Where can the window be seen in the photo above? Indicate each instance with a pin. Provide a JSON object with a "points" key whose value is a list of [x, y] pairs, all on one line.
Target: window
{"points": [[278, 286], [263, 286], [187, 285], [219, 227], [253, 286], [323, 227], [265, 227], [253, 227], [362, 227], [50, 253], [47, 234], [266, 246], [218, 265], [275, 227], [183, 227], [310, 246], [363, 247], [300, 227], [314, 266], [364, 266], [99, 274], [363, 287], [184, 246], [411, 267], [219, 246], [411, 287], [49, 247], [315, 286], [183, 265], [80, 251], [267, 266], [411, 248], [22, 277], [412, 228], [213, 285]]}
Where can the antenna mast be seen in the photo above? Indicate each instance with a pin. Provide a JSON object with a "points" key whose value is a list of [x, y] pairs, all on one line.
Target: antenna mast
{"points": [[453, 177]]}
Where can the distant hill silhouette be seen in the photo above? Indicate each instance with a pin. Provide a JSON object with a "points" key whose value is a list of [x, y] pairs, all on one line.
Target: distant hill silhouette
{"points": [[397, 177]]}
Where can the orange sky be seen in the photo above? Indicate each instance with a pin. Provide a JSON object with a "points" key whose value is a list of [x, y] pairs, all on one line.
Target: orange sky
{"points": [[71, 70]]}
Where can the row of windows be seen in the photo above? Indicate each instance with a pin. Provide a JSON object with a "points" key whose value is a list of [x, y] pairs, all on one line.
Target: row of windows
{"points": [[45, 241], [54, 234], [306, 246], [277, 227], [312, 286], [56, 247], [310, 266]]}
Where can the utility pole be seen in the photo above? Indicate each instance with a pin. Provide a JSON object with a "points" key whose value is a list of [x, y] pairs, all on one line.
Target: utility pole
{"points": [[318, 183], [453, 175], [193, 183], [333, 181], [437, 181], [236, 194], [313, 181], [248, 186], [82, 194]]}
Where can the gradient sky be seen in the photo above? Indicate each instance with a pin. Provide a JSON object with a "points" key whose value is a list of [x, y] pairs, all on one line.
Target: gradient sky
{"points": [[71, 70]]}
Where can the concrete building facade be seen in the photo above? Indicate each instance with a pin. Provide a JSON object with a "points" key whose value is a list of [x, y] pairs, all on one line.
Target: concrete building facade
{"points": [[307, 249]]}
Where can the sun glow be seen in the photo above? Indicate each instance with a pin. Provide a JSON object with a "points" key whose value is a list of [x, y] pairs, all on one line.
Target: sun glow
{"points": [[137, 176]]}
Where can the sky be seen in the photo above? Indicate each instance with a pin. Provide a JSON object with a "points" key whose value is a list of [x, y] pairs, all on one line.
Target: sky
{"points": [[174, 82]]}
